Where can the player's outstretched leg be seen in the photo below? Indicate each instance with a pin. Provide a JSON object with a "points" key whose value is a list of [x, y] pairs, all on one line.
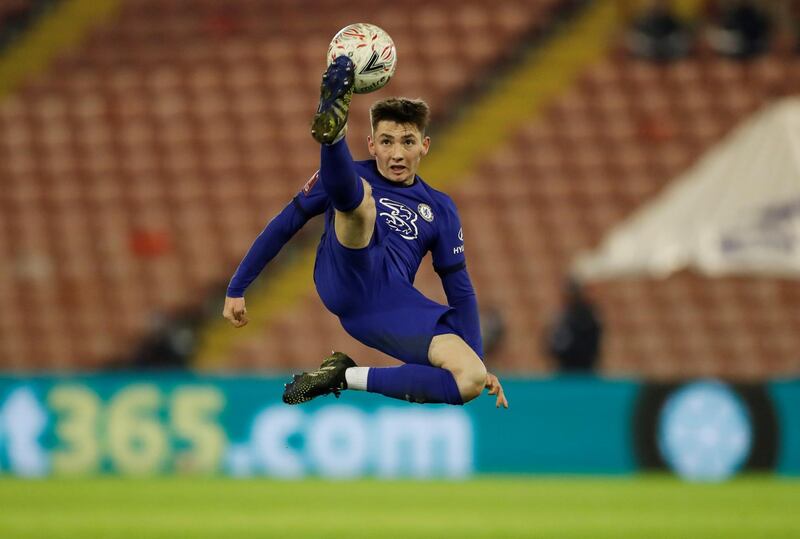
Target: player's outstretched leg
{"points": [[336, 91], [329, 378], [349, 194]]}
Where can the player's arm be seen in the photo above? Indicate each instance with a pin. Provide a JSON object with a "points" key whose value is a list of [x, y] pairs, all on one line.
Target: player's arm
{"points": [[461, 297], [450, 263], [309, 202]]}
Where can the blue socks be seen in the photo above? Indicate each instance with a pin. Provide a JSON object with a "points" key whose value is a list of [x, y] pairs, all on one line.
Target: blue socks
{"points": [[338, 175], [414, 383]]}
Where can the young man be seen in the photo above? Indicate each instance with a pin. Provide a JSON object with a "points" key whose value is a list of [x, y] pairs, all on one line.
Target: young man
{"points": [[380, 220]]}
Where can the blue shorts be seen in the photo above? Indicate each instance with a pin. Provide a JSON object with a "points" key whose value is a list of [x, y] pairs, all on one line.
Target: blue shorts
{"points": [[375, 303]]}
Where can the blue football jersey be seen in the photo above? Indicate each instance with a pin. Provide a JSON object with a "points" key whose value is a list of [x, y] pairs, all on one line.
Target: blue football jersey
{"points": [[411, 220], [371, 290]]}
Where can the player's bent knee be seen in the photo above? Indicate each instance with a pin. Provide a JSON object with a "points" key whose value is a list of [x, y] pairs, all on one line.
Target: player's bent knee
{"points": [[471, 381], [470, 377], [450, 352]]}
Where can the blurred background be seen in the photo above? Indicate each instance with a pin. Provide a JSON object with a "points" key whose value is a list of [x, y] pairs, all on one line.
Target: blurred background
{"points": [[628, 177]]}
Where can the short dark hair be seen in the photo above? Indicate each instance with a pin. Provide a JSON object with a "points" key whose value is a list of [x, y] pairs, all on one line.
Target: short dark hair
{"points": [[402, 111]]}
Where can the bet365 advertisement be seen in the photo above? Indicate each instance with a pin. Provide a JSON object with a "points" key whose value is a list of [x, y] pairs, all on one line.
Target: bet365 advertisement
{"points": [[184, 424]]}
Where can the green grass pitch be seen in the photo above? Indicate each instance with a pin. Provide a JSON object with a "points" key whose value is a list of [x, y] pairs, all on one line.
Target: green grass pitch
{"points": [[492, 507]]}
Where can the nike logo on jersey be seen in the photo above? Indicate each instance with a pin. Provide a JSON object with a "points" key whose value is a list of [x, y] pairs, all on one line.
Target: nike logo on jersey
{"points": [[400, 218], [310, 183]]}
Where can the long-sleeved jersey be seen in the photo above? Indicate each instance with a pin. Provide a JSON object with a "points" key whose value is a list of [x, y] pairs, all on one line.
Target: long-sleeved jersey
{"points": [[410, 222]]}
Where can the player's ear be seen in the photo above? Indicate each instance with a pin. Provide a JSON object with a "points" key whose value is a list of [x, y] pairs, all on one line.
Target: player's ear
{"points": [[371, 146], [426, 144]]}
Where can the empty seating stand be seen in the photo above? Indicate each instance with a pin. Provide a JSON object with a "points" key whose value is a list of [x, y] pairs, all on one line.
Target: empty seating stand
{"points": [[138, 168]]}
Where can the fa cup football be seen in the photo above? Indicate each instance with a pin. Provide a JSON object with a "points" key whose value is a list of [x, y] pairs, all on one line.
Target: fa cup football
{"points": [[372, 51]]}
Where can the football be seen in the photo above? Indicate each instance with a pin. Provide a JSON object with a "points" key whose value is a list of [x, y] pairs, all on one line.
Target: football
{"points": [[372, 51]]}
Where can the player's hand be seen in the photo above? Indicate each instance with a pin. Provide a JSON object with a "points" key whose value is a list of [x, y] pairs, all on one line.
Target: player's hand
{"points": [[235, 312], [494, 387]]}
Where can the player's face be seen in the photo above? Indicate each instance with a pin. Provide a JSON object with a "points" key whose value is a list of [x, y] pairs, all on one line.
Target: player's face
{"points": [[397, 149]]}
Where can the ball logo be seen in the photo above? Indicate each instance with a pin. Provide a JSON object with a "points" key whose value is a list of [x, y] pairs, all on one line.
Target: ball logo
{"points": [[400, 218], [425, 211], [374, 64]]}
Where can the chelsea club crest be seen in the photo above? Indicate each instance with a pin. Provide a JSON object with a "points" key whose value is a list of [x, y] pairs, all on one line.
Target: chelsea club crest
{"points": [[425, 212]]}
